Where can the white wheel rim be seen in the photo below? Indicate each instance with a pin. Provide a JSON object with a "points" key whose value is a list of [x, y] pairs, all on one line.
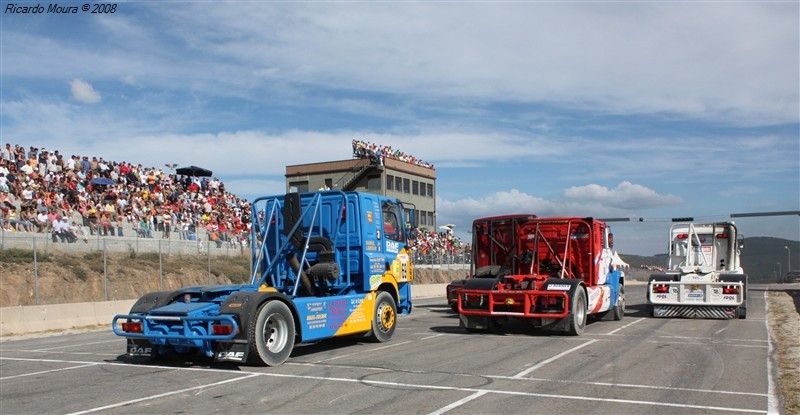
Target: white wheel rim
{"points": [[276, 333]]}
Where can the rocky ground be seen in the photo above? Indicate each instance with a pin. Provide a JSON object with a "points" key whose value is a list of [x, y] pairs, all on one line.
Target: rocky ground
{"points": [[784, 318]]}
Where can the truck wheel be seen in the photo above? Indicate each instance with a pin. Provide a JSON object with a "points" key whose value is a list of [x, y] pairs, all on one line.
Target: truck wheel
{"points": [[384, 320], [271, 334], [619, 308], [577, 320], [741, 312]]}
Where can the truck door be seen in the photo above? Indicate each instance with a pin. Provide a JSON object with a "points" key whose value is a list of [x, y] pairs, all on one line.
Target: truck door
{"points": [[393, 230]]}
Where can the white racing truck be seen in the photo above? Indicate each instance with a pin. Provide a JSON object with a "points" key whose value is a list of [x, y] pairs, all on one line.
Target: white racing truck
{"points": [[704, 278]]}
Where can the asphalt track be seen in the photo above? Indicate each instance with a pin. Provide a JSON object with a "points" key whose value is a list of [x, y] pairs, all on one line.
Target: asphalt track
{"points": [[638, 365]]}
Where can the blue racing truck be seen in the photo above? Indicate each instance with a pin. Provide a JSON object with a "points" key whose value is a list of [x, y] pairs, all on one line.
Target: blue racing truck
{"points": [[325, 264]]}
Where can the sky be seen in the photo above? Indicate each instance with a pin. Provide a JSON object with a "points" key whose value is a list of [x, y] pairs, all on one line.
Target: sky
{"points": [[624, 109]]}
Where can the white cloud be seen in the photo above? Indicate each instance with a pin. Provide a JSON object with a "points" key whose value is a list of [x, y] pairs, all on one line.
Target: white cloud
{"points": [[83, 92], [739, 191], [626, 195], [599, 56], [130, 80]]}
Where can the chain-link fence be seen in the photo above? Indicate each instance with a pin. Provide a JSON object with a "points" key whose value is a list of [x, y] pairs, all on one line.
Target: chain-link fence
{"points": [[36, 270]]}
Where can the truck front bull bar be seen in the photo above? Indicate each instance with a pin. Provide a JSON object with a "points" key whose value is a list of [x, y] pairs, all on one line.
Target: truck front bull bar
{"points": [[514, 303]]}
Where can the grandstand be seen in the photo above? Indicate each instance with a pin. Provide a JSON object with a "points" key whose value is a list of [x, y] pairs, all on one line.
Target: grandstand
{"points": [[77, 197]]}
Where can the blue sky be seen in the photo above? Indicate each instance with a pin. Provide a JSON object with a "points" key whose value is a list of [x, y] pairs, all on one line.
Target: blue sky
{"points": [[611, 109]]}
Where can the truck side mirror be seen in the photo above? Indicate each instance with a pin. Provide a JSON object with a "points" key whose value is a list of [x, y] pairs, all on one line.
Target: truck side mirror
{"points": [[611, 240]]}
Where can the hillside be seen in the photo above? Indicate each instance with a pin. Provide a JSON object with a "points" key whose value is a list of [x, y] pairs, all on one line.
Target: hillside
{"points": [[760, 258]]}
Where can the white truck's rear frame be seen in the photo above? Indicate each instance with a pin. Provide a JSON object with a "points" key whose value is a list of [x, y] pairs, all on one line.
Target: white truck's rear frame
{"points": [[704, 277]]}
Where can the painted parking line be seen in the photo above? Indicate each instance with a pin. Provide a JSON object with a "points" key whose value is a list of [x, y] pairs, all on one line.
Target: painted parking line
{"points": [[46, 371], [552, 359], [624, 327], [362, 351], [382, 383], [459, 402], [161, 395]]}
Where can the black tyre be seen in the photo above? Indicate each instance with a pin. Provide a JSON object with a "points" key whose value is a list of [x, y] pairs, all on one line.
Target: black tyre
{"points": [[384, 319], [454, 307], [271, 334], [619, 308], [577, 319]]}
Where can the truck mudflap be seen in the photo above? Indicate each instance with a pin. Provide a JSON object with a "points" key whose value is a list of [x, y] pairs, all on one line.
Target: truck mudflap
{"points": [[695, 311], [231, 351], [141, 348]]}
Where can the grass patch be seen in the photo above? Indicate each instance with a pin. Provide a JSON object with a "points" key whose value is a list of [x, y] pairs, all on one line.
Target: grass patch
{"points": [[237, 269], [21, 256]]}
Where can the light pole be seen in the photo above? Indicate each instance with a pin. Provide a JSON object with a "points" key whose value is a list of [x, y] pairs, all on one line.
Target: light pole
{"points": [[780, 276], [789, 258]]}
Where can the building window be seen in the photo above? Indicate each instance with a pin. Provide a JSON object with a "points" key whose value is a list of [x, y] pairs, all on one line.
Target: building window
{"points": [[430, 190], [423, 219], [430, 219], [374, 183], [406, 186], [328, 184], [415, 187], [389, 182], [299, 187]]}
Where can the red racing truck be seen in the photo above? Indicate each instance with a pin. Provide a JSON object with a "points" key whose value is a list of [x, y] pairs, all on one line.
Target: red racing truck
{"points": [[551, 272]]}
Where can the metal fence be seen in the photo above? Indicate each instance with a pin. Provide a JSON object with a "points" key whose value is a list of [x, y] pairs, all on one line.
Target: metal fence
{"points": [[35, 270]]}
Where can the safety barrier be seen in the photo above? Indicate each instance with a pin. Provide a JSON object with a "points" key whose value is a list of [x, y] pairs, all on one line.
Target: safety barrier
{"points": [[57, 317]]}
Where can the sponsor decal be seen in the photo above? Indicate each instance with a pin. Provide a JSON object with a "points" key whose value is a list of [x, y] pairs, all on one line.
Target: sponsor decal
{"points": [[695, 294], [369, 216], [140, 351], [661, 296], [392, 246], [403, 258], [235, 305], [238, 356], [558, 287], [375, 281], [376, 265]]}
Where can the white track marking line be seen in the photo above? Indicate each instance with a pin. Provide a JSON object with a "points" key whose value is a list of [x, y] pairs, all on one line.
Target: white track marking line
{"points": [[362, 351], [48, 351], [431, 337], [628, 385], [77, 345], [404, 385], [552, 359], [623, 327], [47, 371], [772, 401], [459, 402], [161, 395]]}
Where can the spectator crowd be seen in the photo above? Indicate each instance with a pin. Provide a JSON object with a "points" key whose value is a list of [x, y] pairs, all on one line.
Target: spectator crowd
{"points": [[432, 246], [364, 149], [75, 197]]}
